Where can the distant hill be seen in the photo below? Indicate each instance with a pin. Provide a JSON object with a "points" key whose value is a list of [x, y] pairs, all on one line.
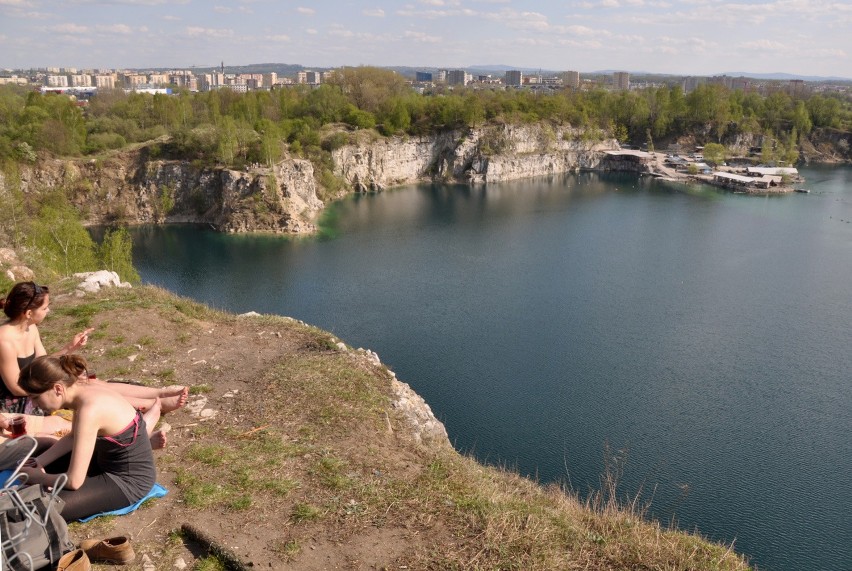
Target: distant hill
{"points": [[784, 76]]}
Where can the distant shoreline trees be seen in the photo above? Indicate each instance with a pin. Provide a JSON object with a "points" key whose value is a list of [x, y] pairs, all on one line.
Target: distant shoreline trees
{"points": [[234, 129]]}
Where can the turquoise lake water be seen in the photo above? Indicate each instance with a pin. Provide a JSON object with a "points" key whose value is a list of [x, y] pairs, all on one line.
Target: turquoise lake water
{"points": [[701, 336]]}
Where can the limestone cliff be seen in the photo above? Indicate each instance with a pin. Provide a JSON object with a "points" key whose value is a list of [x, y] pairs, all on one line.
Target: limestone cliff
{"points": [[486, 154], [131, 187], [134, 187]]}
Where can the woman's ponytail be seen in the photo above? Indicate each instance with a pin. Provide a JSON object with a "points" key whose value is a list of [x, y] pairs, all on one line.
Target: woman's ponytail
{"points": [[45, 371]]}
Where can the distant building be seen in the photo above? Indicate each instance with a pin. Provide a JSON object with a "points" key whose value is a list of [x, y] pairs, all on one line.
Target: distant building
{"points": [[514, 78], [441, 76], [81, 80], [691, 83], [56, 81], [423, 77], [796, 87], [313, 77], [741, 83], [621, 80], [105, 81], [571, 79], [458, 77], [301, 77], [13, 80], [270, 79]]}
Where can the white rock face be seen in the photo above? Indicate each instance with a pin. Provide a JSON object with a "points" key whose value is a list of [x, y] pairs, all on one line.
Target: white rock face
{"points": [[488, 154], [94, 281], [425, 428]]}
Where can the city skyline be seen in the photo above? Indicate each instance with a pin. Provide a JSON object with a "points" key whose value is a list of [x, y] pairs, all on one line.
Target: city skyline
{"points": [[695, 37]]}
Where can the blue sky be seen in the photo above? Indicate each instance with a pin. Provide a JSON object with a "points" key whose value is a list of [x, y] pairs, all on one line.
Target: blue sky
{"points": [[699, 37]]}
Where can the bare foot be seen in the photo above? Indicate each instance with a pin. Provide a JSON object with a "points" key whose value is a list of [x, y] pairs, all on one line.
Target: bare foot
{"points": [[173, 398], [158, 440]]}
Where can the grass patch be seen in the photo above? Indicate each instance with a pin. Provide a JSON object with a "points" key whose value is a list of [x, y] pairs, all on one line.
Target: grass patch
{"points": [[166, 375], [146, 341], [209, 454], [209, 563], [200, 389], [120, 351], [304, 512]]}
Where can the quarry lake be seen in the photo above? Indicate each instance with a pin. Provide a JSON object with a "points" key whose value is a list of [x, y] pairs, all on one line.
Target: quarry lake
{"points": [[698, 337]]}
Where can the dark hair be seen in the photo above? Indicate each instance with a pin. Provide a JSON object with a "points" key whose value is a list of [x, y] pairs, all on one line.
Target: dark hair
{"points": [[45, 371], [23, 296]]}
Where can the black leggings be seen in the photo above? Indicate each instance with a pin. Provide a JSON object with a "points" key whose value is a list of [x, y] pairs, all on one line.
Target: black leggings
{"points": [[99, 493]]}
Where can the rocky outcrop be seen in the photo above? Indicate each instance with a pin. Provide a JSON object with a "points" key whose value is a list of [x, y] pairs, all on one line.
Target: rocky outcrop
{"points": [[13, 268], [134, 187], [130, 188], [487, 154], [95, 281]]}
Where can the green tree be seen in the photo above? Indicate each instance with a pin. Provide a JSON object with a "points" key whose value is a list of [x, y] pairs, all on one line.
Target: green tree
{"points": [[369, 88], [63, 241], [12, 213], [802, 119], [715, 153], [116, 254]]}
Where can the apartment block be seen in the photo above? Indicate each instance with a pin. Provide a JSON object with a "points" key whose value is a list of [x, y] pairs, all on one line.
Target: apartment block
{"points": [[571, 79], [514, 78]]}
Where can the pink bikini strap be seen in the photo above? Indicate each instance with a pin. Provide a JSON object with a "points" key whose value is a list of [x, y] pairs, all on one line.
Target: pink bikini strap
{"points": [[134, 422]]}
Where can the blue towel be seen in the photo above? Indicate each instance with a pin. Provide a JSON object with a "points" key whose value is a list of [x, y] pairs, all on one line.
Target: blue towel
{"points": [[5, 474], [157, 491]]}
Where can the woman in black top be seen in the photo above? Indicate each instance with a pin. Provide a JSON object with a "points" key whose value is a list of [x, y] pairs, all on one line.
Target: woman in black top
{"points": [[107, 456]]}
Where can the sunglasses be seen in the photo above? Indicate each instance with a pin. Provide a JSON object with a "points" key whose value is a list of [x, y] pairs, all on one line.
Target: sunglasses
{"points": [[37, 291]]}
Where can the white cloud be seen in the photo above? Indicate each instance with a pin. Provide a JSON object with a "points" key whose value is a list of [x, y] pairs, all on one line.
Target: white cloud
{"points": [[279, 38], [122, 29], [409, 11], [169, 18], [311, 31], [763, 45], [35, 15], [582, 31], [69, 29], [222, 9], [198, 32], [15, 3], [422, 37], [377, 13], [306, 11]]}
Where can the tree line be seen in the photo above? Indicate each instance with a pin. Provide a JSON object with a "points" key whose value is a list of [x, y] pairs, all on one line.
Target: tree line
{"points": [[233, 129]]}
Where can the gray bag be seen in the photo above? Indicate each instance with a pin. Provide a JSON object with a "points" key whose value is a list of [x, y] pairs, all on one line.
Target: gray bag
{"points": [[37, 534]]}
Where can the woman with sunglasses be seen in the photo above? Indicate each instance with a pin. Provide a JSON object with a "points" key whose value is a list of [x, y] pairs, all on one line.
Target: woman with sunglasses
{"points": [[26, 306], [106, 456]]}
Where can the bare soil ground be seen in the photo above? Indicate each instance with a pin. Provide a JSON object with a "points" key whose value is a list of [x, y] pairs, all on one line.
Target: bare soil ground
{"points": [[226, 360]]}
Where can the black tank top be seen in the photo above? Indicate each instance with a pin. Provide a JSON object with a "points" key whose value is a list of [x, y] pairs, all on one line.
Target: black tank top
{"points": [[127, 459], [8, 401]]}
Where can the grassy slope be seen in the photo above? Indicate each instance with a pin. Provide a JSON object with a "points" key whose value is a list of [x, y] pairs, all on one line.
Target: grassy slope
{"points": [[308, 464]]}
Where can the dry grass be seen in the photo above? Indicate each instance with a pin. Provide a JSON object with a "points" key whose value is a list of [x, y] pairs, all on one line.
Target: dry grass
{"points": [[299, 470]]}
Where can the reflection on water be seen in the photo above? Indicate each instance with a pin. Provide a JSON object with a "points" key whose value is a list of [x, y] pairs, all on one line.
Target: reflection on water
{"points": [[702, 333]]}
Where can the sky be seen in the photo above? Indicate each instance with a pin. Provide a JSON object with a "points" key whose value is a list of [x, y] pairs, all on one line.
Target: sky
{"points": [[691, 37]]}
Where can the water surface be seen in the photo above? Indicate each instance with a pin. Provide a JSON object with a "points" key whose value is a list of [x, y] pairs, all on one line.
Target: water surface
{"points": [[700, 336]]}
